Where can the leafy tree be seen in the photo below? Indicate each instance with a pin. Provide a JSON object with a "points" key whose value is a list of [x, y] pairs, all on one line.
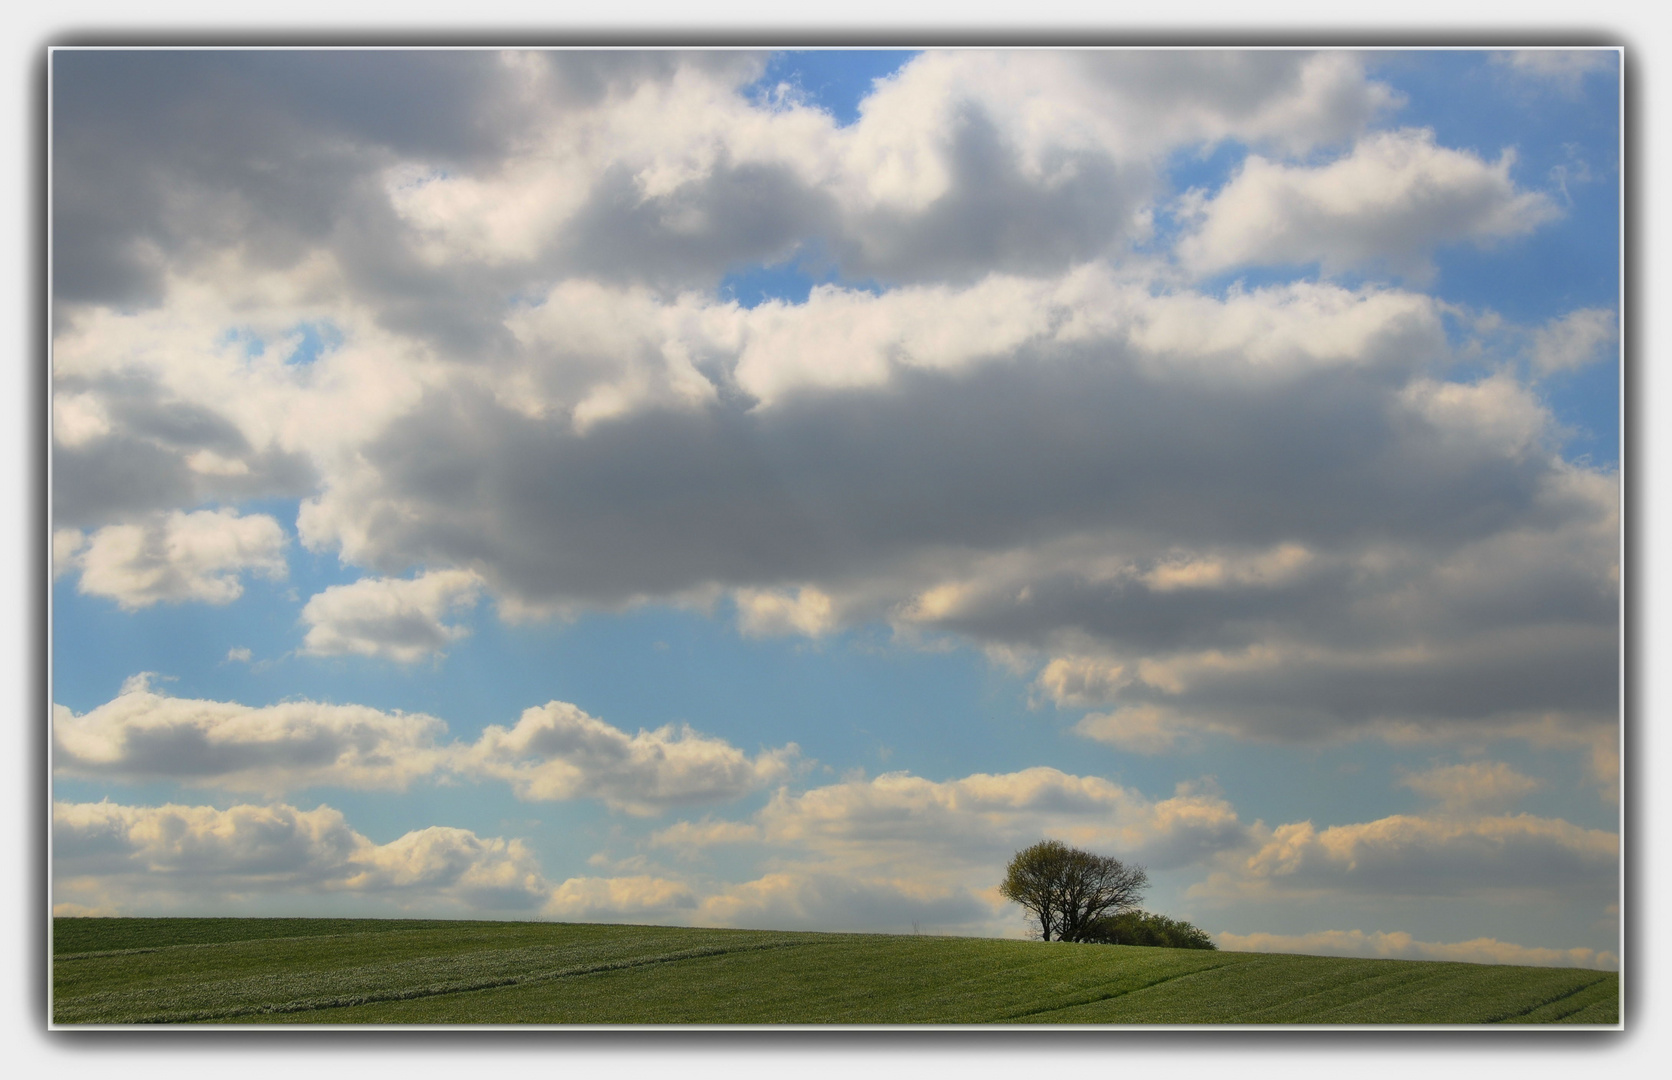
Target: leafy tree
{"points": [[1147, 928], [1068, 890]]}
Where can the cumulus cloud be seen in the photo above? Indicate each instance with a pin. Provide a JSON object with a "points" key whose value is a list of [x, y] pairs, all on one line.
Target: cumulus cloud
{"points": [[1389, 202], [142, 736], [491, 343], [1415, 856], [1562, 69], [988, 816], [553, 752], [125, 443], [200, 859], [792, 901], [400, 619], [1476, 786], [762, 612], [1401, 945], [556, 751], [642, 897], [1019, 161], [1573, 340], [176, 557]]}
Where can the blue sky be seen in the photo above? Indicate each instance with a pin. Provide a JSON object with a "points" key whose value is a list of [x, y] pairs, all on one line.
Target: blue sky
{"points": [[860, 465]]}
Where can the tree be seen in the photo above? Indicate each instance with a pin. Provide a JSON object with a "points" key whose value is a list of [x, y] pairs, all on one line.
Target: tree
{"points": [[1068, 890]]}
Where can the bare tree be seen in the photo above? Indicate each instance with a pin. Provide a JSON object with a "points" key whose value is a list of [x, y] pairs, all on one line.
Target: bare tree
{"points": [[1068, 890]]}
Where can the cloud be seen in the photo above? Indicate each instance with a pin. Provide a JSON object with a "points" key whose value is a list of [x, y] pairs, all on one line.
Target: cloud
{"points": [[1278, 513], [793, 901], [126, 443], [1390, 202], [556, 751], [550, 520], [66, 545], [1574, 340], [399, 619], [960, 160], [177, 557], [648, 167], [200, 859], [142, 736], [595, 899], [761, 613], [913, 827], [1479, 785], [1561, 69], [553, 752], [1400, 945], [1407, 855]]}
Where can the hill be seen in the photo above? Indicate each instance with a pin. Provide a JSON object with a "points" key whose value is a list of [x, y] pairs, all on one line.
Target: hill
{"points": [[378, 971]]}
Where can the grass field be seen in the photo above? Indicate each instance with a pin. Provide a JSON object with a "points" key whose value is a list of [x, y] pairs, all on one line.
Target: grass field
{"points": [[373, 971]]}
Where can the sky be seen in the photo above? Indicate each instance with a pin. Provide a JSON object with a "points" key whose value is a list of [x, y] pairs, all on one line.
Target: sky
{"points": [[770, 489]]}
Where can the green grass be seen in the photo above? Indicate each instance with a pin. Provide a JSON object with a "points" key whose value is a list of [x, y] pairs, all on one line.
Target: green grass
{"points": [[376, 971]]}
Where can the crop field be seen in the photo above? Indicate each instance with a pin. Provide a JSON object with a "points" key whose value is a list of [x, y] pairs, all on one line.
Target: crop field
{"points": [[376, 971]]}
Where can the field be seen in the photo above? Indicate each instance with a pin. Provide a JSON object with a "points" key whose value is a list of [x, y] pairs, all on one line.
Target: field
{"points": [[373, 971]]}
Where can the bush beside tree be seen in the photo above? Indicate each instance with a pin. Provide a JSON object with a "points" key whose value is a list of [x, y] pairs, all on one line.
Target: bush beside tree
{"points": [[1147, 928]]}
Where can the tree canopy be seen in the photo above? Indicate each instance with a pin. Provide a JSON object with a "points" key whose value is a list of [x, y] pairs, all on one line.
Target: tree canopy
{"points": [[1071, 891]]}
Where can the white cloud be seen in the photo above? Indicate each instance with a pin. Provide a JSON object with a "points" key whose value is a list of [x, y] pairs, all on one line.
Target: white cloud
{"points": [[763, 613], [179, 557], [1139, 729], [78, 419], [621, 899], [200, 859], [66, 545], [1476, 786], [1408, 855], [1563, 69], [1574, 340], [556, 751], [843, 901], [396, 618], [678, 173], [142, 736], [1401, 945], [903, 825], [553, 752], [1389, 202]]}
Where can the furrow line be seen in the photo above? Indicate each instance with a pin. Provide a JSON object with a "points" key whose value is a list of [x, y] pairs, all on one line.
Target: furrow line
{"points": [[412, 993], [1105, 997], [1541, 1004]]}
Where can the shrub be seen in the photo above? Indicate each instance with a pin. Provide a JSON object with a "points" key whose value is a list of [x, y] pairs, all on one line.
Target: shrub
{"points": [[1145, 928]]}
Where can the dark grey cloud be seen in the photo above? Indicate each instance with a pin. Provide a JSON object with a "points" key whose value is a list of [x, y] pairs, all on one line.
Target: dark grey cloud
{"points": [[995, 218], [140, 464], [829, 485], [161, 155], [738, 214]]}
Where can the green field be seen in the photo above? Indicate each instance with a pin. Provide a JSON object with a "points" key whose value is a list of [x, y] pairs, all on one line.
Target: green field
{"points": [[375, 971]]}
